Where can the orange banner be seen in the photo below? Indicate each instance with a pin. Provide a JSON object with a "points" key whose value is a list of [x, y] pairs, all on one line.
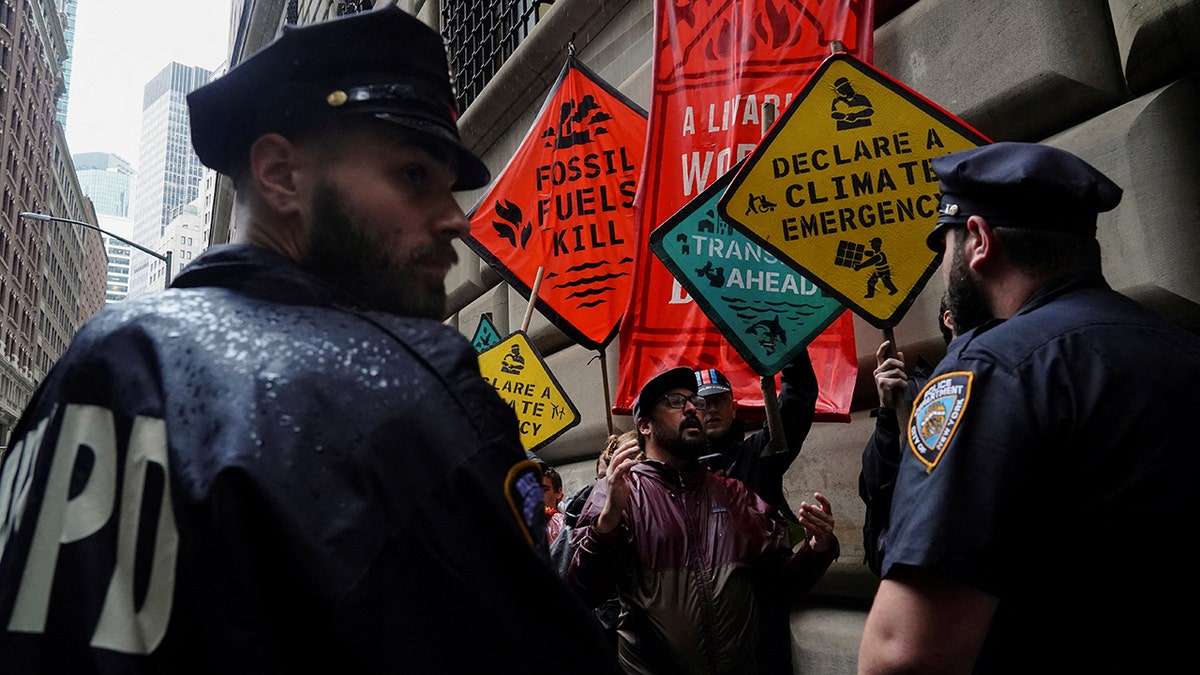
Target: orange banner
{"points": [[719, 67], [564, 204]]}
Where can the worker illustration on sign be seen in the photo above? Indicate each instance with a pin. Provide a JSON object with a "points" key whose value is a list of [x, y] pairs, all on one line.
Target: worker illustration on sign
{"points": [[759, 204], [513, 363], [882, 271], [851, 109]]}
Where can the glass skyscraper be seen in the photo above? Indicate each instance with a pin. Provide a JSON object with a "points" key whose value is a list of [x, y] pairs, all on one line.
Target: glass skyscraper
{"points": [[169, 173], [109, 182]]}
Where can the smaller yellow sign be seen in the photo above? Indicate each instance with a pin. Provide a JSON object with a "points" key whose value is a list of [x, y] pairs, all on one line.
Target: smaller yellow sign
{"points": [[843, 186], [518, 373]]}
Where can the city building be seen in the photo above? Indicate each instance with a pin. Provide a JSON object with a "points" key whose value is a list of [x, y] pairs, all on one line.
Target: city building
{"points": [[186, 235], [66, 9], [169, 173], [51, 273], [109, 181]]}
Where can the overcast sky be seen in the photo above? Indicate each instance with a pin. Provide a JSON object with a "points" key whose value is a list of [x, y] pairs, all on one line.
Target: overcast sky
{"points": [[119, 46]]}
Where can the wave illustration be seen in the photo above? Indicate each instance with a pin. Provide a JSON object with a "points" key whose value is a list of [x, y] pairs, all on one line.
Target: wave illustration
{"points": [[591, 291], [591, 280], [730, 299], [586, 266]]}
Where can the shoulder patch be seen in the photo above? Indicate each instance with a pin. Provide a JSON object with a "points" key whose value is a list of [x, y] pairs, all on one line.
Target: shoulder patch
{"points": [[939, 409], [523, 489]]}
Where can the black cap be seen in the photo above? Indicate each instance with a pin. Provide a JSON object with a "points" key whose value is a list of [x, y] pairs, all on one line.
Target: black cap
{"points": [[675, 378], [710, 381], [384, 63], [1020, 185]]}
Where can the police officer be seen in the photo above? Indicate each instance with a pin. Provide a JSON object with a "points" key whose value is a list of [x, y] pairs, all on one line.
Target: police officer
{"points": [[1041, 515], [286, 462]]}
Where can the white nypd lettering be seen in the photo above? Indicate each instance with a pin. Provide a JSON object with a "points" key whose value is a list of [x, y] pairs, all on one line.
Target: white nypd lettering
{"points": [[14, 481], [64, 519], [122, 626]]}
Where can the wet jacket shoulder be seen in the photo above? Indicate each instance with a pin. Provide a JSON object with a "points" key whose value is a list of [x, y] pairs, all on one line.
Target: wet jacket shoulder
{"points": [[317, 486]]}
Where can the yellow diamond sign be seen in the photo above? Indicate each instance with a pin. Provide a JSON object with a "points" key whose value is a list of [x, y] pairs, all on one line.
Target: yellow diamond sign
{"points": [[518, 373], [842, 186]]}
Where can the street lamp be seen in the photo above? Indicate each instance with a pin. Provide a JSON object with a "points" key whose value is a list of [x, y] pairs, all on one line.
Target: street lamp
{"points": [[165, 258]]}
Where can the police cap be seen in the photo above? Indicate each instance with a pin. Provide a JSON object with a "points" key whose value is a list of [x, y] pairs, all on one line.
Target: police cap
{"points": [[657, 386], [384, 63], [1026, 185]]}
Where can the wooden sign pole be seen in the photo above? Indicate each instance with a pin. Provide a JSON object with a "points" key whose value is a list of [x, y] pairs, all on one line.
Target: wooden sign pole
{"points": [[607, 396], [533, 295], [778, 441]]}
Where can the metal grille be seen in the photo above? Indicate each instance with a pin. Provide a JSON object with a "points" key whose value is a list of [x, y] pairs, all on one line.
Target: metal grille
{"points": [[480, 36], [345, 7]]}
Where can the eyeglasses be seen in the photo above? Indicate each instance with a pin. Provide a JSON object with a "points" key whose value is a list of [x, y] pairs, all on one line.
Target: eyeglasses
{"points": [[679, 400]]}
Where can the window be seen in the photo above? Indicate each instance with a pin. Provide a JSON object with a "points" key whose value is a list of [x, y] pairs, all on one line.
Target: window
{"points": [[480, 36]]}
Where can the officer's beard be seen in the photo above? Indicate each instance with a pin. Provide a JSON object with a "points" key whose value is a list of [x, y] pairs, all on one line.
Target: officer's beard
{"points": [[344, 253], [965, 298]]}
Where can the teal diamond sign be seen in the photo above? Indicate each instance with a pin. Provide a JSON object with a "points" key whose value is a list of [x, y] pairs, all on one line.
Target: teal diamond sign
{"points": [[486, 335], [762, 305]]}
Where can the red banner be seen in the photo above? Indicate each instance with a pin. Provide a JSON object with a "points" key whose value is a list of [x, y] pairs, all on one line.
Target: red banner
{"points": [[719, 67], [564, 204]]}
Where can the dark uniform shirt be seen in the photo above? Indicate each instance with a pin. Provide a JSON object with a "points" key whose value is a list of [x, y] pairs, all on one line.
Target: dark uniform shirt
{"points": [[247, 474], [1051, 462]]}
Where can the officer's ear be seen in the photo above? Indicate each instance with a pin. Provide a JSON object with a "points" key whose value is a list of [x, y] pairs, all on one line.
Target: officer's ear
{"points": [[981, 245], [273, 173]]}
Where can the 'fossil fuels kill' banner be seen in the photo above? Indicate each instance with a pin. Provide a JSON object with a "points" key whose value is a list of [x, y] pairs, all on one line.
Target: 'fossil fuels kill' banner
{"points": [[564, 204]]}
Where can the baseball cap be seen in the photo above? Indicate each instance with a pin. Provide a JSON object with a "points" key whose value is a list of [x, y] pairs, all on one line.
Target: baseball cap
{"points": [[657, 386], [710, 381]]}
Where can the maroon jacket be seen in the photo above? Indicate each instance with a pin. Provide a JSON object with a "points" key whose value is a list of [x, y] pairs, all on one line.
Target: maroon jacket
{"points": [[686, 561]]}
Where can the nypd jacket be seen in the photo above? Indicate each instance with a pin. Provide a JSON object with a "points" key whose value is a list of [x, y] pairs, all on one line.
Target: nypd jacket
{"points": [[686, 562], [248, 474]]}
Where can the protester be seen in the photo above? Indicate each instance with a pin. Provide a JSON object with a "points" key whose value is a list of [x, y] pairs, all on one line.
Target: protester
{"points": [[286, 463], [683, 547], [881, 456], [1041, 515], [752, 460], [552, 492], [745, 457]]}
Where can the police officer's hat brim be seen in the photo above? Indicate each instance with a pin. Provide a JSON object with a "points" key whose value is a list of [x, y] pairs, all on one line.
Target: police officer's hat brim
{"points": [[1023, 185], [383, 63], [657, 386]]}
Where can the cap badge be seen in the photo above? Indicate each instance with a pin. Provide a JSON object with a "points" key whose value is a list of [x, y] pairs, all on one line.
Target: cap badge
{"points": [[336, 98], [949, 210]]}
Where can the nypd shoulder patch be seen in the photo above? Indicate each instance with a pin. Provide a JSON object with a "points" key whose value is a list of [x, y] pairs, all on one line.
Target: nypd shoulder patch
{"points": [[935, 417], [523, 488]]}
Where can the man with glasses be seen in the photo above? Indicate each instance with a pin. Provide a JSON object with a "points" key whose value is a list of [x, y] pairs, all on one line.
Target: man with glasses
{"points": [[684, 547]]}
